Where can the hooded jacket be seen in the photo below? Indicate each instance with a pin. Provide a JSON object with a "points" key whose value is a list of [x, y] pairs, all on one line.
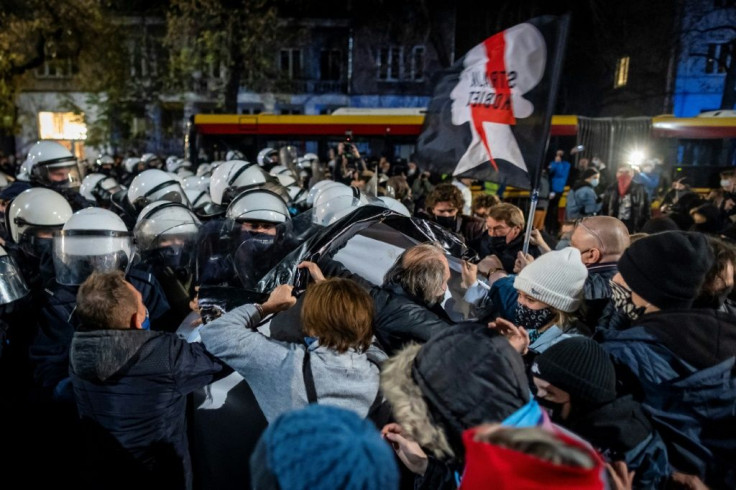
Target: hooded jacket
{"points": [[680, 364], [133, 385], [582, 201]]}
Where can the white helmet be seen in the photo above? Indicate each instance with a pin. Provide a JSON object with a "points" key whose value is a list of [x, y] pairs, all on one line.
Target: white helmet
{"points": [[335, 202], [286, 180], [258, 205], [98, 187], [155, 185], [278, 169], [232, 176], [198, 198], [183, 173], [167, 232], [395, 205], [195, 182], [177, 165], [104, 160], [205, 169], [35, 214], [297, 195], [132, 164], [151, 160], [52, 165], [234, 155], [266, 157], [316, 188], [307, 160], [92, 240], [12, 285], [24, 174]]}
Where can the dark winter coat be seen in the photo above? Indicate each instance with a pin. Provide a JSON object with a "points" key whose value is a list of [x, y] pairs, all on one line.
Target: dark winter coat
{"points": [[640, 210], [50, 349], [621, 431], [597, 291], [680, 364], [582, 201], [131, 388]]}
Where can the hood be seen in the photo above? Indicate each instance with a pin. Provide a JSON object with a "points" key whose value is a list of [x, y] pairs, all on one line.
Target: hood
{"points": [[409, 407], [710, 334], [99, 354]]}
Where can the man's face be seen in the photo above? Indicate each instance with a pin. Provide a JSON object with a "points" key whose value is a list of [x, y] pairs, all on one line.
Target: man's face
{"points": [[140, 308], [623, 171], [445, 208], [587, 245], [59, 174], [481, 213], [500, 228], [259, 227]]}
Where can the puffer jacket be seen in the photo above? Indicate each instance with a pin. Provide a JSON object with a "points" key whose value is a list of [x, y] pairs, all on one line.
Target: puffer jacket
{"points": [[680, 365], [131, 389], [597, 291]]}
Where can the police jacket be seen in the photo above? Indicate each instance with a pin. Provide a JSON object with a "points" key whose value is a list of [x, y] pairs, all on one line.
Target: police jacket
{"points": [[680, 365], [133, 385]]}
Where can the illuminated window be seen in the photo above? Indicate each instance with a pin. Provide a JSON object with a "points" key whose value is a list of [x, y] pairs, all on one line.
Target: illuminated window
{"points": [[61, 126], [622, 73]]}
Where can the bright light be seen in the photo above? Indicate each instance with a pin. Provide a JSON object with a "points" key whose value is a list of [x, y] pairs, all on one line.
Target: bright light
{"points": [[636, 158], [61, 126]]}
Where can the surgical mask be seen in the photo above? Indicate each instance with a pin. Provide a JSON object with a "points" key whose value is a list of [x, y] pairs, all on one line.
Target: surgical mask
{"points": [[622, 302], [595, 182], [448, 222], [146, 325], [532, 319], [725, 183], [498, 243]]}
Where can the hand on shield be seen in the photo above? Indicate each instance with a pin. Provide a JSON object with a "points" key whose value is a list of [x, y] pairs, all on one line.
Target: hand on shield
{"points": [[280, 299]]}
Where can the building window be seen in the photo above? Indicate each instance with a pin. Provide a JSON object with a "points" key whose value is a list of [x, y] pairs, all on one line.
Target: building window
{"points": [[291, 63], [417, 63], [330, 61], [61, 126], [252, 109], [290, 110], [718, 59], [622, 73], [389, 62], [57, 68]]}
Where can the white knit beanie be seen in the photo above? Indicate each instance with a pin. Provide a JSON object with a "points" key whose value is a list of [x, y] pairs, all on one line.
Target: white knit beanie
{"points": [[555, 278]]}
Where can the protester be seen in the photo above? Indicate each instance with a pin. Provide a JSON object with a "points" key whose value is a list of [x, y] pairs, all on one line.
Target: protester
{"points": [[577, 381], [483, 203], [130, 385], [322, 447], [582, 200], [627, 200], [445, 205], [683, 376], [559, 172]]}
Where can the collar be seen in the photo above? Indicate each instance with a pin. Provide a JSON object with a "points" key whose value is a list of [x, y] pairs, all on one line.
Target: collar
{"points": [[603, 267]]}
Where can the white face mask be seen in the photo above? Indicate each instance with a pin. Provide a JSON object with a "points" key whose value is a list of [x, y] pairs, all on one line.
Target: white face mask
{"points": [[726, 183]]}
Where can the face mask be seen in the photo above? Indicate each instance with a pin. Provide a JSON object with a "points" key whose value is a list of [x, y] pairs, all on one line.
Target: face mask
{"points": [[554, 409], [622, 302], [146, 325], [715, 300], [595, 182], [448, 222], [498, 243], [532, 319], [260, 242], [725, 183]]}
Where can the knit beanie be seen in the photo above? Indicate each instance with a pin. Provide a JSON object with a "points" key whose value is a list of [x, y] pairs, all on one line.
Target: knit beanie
{"points": [[667, 269], [323, 447], [555, 278], [579, 366]]}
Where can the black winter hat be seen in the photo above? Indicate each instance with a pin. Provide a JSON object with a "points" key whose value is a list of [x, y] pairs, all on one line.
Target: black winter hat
{"points": [[468, 375], [579, 366], [667, 269]]}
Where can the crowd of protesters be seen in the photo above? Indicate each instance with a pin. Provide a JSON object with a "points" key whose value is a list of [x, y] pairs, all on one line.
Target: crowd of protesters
{"points": [[600, 357]]}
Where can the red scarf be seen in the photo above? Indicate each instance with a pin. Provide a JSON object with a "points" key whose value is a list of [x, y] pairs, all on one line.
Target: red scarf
{"points": [[624, 181]]}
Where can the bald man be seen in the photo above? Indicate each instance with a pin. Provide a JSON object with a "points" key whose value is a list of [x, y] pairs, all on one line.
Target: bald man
{"points": [[601, 241]]}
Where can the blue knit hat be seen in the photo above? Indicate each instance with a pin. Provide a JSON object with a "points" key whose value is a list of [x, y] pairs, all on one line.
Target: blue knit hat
{"points": [[322, 447]]}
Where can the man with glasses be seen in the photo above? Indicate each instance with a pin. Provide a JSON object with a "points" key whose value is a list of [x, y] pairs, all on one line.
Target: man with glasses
{"points": [[504, 240], [601, 241]]}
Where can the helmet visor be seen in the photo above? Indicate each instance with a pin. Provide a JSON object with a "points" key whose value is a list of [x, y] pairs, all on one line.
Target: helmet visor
{"points": [[79, 253], [63, 175], [12, 285]]}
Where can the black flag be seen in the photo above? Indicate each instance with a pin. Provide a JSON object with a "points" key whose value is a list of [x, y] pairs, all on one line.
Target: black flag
{"points": [[490, 115]]}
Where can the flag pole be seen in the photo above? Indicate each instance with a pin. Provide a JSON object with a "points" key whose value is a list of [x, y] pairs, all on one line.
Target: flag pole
{"points": [[564, 28]]}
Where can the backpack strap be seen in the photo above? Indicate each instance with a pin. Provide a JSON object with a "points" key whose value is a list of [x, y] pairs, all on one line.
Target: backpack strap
{"points": [[309, 378]]}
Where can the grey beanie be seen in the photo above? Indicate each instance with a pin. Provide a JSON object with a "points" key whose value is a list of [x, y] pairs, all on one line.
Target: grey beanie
{"points": [[555, 278]]}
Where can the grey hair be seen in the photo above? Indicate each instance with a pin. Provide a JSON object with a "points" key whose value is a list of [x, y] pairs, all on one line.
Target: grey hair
{"points": [[420, 272]]}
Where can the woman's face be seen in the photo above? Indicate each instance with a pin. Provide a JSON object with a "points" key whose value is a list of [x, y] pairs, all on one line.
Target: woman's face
{"points": [[531, 303]]}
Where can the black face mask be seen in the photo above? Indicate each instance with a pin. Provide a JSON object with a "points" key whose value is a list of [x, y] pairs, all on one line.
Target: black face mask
{"points": [[532, 319], [448, 222], [554, 409], [260, 242], [498, 243]]}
